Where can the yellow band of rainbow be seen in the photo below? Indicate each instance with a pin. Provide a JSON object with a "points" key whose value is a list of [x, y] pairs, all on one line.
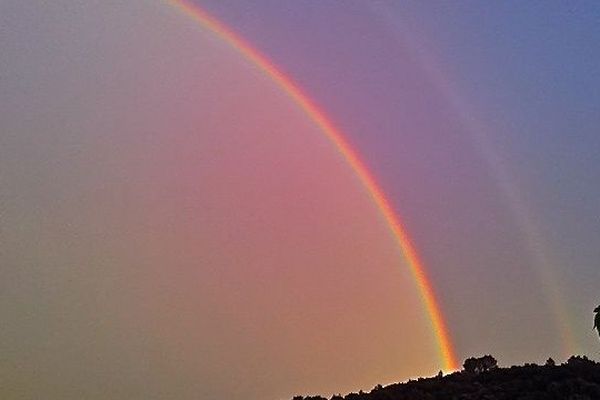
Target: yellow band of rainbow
{"points": [[444, 344]]}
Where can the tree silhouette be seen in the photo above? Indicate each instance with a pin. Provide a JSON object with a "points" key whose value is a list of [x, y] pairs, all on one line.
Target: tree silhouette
{"points": [[597, 319], [477, 365]]}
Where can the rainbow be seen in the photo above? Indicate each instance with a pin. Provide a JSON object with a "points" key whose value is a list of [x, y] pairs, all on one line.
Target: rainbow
{"points": [[446, 350]]}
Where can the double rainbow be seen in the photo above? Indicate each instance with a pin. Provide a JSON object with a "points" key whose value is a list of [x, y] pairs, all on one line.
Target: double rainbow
{"points": [[446, 350]]}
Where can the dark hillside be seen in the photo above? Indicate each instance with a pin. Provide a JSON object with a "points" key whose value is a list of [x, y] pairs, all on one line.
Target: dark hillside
{"points": [[577, 379]]}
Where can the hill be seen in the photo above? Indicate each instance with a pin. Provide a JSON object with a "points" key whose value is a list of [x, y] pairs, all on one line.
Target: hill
{"points": [[577, 379]]}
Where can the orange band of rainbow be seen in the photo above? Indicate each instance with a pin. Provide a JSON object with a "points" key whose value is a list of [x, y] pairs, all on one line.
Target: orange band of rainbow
{"points": [[446, 350]]}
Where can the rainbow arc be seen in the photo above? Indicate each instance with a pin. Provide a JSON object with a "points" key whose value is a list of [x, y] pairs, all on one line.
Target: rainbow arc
{"points": [[401, 237]]}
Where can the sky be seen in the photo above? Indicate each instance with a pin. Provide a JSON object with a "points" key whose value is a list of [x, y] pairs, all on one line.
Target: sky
{"points": [[174, 225]]}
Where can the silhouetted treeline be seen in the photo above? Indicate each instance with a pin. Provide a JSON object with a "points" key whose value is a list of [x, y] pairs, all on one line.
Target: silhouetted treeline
{"points": [[577, 379]]}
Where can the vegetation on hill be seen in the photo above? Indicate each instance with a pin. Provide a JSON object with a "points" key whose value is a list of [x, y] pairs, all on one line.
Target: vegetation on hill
{"points": [[577, 379]]}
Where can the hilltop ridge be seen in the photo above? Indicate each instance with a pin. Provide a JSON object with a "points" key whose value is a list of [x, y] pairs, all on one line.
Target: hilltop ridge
{"points": [[576, 379]]}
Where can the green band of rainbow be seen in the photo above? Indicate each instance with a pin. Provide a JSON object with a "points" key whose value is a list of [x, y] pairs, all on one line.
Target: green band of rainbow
{"points": [[446, 349]]}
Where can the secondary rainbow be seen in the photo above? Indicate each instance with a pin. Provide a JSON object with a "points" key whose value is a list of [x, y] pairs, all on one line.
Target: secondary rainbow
{"points": [[399, 233]]}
